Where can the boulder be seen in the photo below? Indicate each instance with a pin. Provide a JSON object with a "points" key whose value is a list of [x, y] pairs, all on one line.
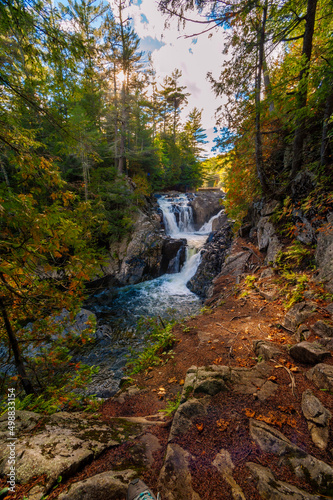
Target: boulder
{"points": [[137, 257], [322, 376], [204, 205], [110, 485], [298, 314], [324, 253], [316, 472], [267, 350], [224, 465], [175, 482], [309, 353], [271, 488], [323, 329], [186, 412], [268, 240], [302, 333], [318, 418], [59, 446], [304, 231], [173, 255], [213, 255]]}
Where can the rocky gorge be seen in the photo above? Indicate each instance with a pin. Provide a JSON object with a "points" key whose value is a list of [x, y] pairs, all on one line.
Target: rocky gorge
{"points": [[250, 381]]}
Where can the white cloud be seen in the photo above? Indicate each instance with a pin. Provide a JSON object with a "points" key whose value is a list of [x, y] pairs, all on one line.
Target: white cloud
{"points": [[195, 55]]}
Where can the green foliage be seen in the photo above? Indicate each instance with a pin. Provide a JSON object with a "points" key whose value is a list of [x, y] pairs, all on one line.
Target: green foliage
{"points": [[160, 340], [172, 405], [295, 255]]}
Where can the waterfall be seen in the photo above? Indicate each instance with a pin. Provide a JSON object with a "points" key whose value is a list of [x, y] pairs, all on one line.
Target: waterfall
{"points": [[177, 215]]}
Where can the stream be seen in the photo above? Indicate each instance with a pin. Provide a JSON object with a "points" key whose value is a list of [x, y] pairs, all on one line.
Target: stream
{"points": [[167, 296]]}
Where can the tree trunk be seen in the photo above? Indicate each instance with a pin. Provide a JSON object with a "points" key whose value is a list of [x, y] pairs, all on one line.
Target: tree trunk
{"points": [[325, 156], [27, 385], [303, 87], [258, 139]]}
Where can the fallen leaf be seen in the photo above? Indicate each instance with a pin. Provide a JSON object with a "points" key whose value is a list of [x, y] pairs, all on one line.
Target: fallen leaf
{"points": [[272, 377], [222, 424], [217, 361], [172, 380], [182, 382], [249, 413], [161, 392], [213, 347], [200, 427]]}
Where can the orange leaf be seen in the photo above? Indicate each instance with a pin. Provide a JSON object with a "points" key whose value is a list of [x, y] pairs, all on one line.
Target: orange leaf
{"points": [[249, 413], [222, 424], [200, 427]]}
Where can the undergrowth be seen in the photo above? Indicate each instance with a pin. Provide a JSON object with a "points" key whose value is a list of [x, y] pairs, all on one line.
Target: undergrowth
{"points": [[159, 343]]}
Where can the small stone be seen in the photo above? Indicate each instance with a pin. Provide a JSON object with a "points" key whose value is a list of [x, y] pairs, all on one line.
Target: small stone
{"points": [[298, 314], [309, 353], [267, 350], [322, 376], [318, 418], [302, 333], [323, 329]]}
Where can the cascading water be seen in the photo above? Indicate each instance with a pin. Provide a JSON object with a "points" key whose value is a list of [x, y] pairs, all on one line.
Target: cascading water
{"points": [[166, 296]]}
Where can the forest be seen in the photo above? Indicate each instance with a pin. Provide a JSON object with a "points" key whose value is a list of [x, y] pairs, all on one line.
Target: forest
{"points": [[87, 133]]}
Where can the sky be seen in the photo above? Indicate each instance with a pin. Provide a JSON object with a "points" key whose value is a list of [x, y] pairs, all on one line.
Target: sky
{"points": [[194, 56]]}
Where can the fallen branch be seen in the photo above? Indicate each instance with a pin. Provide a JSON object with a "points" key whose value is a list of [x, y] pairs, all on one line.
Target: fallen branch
{"points": [[292, 378]]}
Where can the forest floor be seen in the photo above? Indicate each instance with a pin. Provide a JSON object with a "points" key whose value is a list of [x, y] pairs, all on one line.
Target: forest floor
{"points": [[223, 335]]}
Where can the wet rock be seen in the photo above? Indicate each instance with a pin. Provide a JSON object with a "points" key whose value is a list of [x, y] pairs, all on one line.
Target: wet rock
{"points": [[324, 253], [318, 418], [204, 205], [317, 473], [302, 333], [110, 485], [267, 350], [184, 415], [323, 329], [322, 376], [309, 353], [212, 258], [220, 221], [273, 489], [59, 447], [175, 482], [298, 314], [224, 464], [173, 255]]}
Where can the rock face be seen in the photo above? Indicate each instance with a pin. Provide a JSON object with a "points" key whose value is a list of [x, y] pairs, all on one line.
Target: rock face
{"points": [[139, 256], [324, 253], [204, 205], [212, 258]]}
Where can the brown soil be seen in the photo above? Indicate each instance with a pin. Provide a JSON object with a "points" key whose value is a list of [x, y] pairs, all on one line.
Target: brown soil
{"points": [[223, 335]]}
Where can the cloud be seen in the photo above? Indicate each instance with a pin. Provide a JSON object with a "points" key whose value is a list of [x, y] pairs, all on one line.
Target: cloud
{"points": [[183, 48]]}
